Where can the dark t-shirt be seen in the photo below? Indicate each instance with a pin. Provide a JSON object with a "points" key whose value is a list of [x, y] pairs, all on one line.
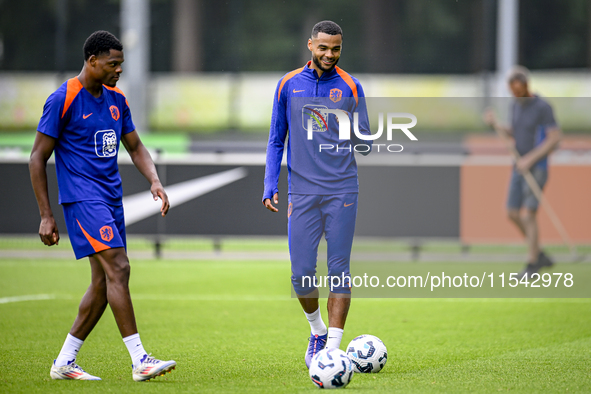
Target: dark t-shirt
{"points": [[531, 118]]}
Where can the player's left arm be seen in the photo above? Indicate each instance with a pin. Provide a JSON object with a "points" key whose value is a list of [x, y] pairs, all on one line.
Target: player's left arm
{"points": [[143, 161], [549, 144]]}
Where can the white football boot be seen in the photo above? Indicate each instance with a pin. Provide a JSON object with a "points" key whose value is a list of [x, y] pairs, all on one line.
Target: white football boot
{"points": [[71, 371], [151, 367]]}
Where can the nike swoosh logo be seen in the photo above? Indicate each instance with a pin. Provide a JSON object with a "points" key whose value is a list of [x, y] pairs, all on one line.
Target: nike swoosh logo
{"points": [[142, 205], [348, 205], [297, 91], [86, 116]]}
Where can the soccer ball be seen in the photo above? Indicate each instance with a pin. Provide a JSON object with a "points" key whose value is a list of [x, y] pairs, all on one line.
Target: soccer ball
{"points": [[367, 353], [331, 369]]}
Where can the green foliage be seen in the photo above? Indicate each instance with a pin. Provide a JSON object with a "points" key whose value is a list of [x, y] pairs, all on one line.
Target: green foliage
{"points": [[381, 36], [557, 36]]}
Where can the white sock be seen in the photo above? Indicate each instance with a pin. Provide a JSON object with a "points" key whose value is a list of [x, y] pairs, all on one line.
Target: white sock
{"points": [[334, 338], [69, 351], [317, 326], [135, 348]]}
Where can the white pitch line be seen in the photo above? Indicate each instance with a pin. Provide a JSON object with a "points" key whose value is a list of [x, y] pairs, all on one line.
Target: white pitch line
{"points": [[30, 297]]}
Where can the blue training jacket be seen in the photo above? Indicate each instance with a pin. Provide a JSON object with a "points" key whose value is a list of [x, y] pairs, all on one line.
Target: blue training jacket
{"points": [[313, 166]]}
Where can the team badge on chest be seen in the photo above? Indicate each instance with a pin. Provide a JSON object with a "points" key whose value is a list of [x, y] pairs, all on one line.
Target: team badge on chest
{"points": [[114, 112], [336, 95]]}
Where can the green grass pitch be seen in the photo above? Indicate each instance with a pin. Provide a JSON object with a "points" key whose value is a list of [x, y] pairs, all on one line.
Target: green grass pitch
{"points": [[232, 327]]}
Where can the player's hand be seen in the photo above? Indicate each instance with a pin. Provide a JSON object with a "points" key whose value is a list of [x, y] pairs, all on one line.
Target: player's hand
{"points": [[48, 231], [524, 164], [489, 117], [269, 206], [159, 193]]}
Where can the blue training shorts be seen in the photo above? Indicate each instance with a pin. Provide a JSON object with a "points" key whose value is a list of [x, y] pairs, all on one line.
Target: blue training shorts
{"points": [[310, 216], [520, 194], [94, 226]]}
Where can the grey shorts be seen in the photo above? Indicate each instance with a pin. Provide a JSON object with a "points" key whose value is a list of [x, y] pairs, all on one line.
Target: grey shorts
{"points": [[520, 194]]}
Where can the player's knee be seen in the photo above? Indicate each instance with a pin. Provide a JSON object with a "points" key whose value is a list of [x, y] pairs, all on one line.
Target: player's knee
{"points": [[99, 284], [123, 269], [513, 215], [340, 280], [341, 273], [304, 283], [303, 270], [530, 215], [341, 290], [339, 263], [119, 268]]}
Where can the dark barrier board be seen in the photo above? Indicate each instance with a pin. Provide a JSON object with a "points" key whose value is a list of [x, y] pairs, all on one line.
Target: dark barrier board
{"points": [[395, 201], [408, 201]]}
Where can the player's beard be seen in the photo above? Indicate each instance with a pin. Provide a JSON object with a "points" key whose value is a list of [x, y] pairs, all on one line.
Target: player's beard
{"points": [[321, 66], [112, 81]]}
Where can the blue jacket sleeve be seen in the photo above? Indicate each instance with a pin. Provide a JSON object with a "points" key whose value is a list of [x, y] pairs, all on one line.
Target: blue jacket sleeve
{"points": [[363, 121], [276, 144]]}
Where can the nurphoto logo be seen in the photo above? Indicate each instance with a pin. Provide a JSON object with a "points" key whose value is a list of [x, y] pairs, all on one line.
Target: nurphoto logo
{"points": [[315, 119]]}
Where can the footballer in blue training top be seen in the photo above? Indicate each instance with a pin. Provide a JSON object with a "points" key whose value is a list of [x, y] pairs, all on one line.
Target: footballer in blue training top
{"points": [[322, 175], [87, 131], [83, 122]]}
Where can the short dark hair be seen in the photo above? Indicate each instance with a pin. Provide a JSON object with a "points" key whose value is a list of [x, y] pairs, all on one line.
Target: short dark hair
{"points": [[328, 27], [101, 42], [518, 73]]}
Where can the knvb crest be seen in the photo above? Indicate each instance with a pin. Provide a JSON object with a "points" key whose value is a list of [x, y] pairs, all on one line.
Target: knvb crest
{"points": [[106, 233], [114, 112], [336, 95]]}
